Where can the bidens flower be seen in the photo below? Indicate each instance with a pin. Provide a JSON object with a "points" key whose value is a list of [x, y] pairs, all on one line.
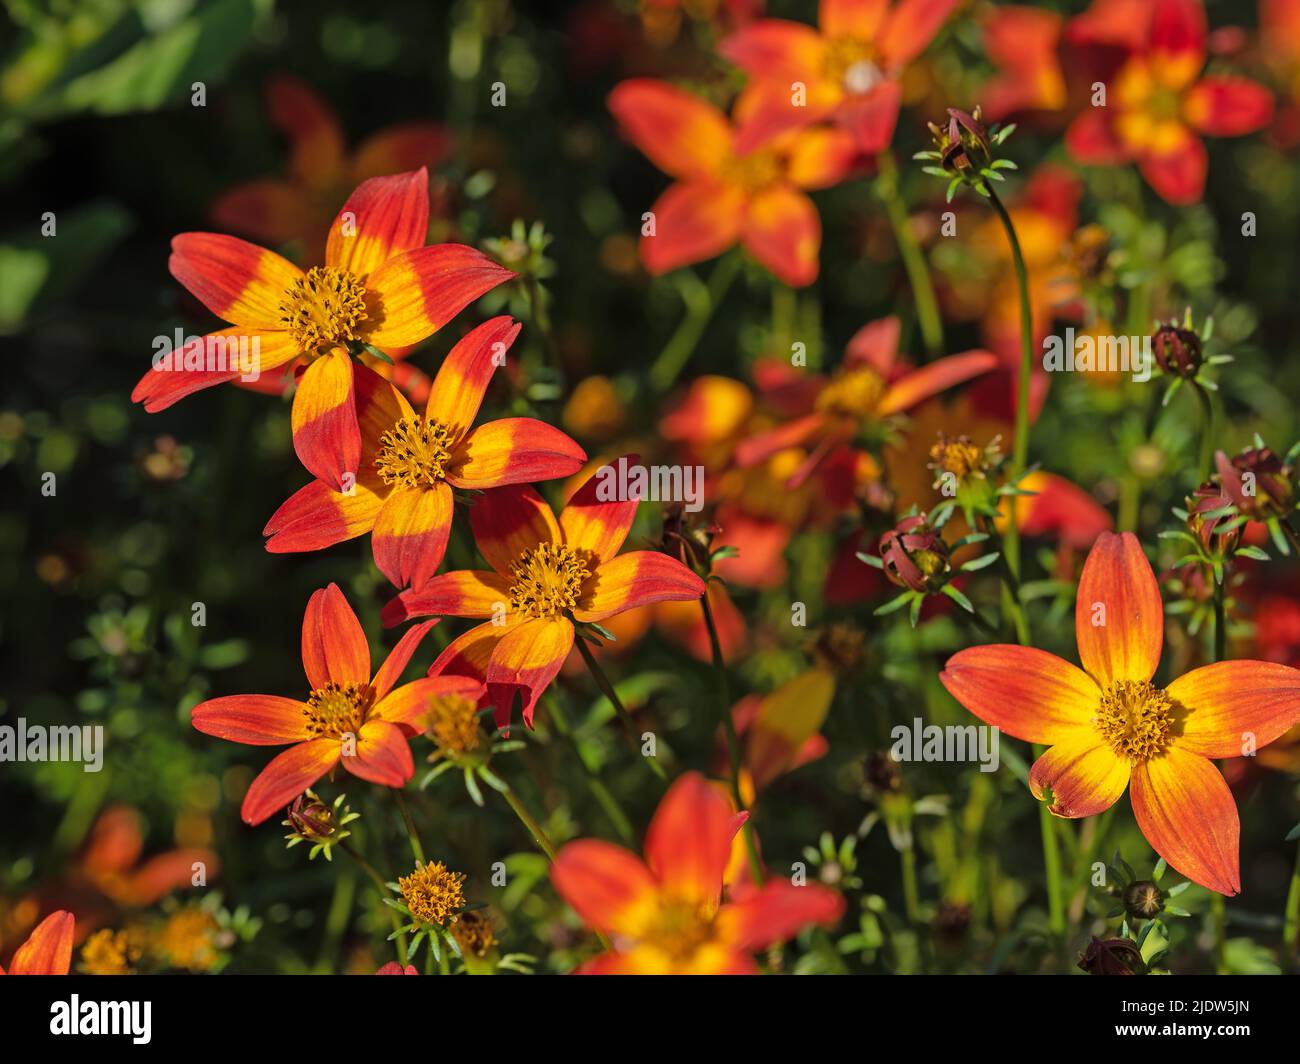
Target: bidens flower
{"points": [[666, 915], [48, 949], [348, 716], [546, 574], [380, 288], [411, 462], [1110, 727]]}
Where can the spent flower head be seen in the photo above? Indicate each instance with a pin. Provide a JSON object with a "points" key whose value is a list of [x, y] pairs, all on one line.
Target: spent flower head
{"points": [[964, 152]]}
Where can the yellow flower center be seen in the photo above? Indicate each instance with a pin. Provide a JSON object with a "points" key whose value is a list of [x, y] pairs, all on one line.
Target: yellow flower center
{"points": [[1135, 718], [323, 308], [753, 172], [109, 953], [957, 456], [473, 933], [852, 393], [432, 893], [337, 709], [414, 453], [680, 928], [852, 64], [548, 580], [189, 939], [452, 721]]}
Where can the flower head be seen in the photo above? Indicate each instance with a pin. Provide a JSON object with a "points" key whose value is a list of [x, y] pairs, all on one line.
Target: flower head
{"points": [[1108, 726], [547, 573], [433, 893], [348, 716], [667, 914]]}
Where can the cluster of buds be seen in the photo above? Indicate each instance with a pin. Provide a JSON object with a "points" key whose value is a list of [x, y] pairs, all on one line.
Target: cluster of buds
{"points": [[915, 557], [1260, 483], [963, 152], [324, 826], [964, 471], [1142, 905], [452, 724]]}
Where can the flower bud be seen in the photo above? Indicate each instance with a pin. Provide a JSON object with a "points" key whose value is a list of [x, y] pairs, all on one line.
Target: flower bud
{"points": [[1258, 481], [1177, 351], [914, 554], [1112, 956], [1204, 500]]}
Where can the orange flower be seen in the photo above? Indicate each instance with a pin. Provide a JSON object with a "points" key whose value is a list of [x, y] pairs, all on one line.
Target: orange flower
{"points": [[48, 949], [1022, 43], [349, 716], [380, 286], [870, 385], [781, 730], [724, 196], [1158, 105], [665, 915], [546, 573], [300, 205], [411, 462], [1109, 726], [849, 69]]}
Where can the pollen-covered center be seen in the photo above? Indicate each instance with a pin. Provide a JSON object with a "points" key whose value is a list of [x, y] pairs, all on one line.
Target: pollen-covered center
{"points": [[957, 456], [433, 893], [1135, 718], [753, 172], [852, 64], [452, 723], [338, 709], [852, 393], [548, 580], [323, 308], [414, 453], [680, 928]]}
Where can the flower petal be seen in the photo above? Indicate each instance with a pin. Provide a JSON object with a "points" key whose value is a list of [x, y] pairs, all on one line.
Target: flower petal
{"points": [[783, 231], [315, 138], [933, 378], [225, 355], [693, 222], [326, 436], [48, 949], [508, 521], [287, 776], [595, 519], [1028, 693], [463, 378], [382, 755], [527, 659], [676, 130], [405, 146], [1177, 40], [259, 720], [776, 49], [912, 25], [414, 294], [872, 116], [689, 839], [460, 593], [1091, 139], [398, 658], [776, 912], [383, 217], [820, 158], [784, 722], [316, 516], [861, 19], [513, 450], [1232, 708], [635, 579], [606, 885], [334, 648], [238, 281], [1187, 813], [1118, 618], [1228, 106], [1178, 173], [469, 653], [1084, 773], [411, 533], [409, 704]]}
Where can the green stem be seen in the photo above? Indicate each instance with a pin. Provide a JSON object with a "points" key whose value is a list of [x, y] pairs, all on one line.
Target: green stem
{"points": [[918, 272], [595, 784], [527, 819], [1206, 465], [911, 895], [1291, 921], [541, 319], [1218, 910], [414, 836], [1020, 452], [607, 689], [701, 301], [1052, 866], [733, 740], [382, 887]]}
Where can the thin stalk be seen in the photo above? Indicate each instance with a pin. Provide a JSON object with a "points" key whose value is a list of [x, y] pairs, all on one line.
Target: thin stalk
{"points": [[414, 836], [595, 784], [382, 887], [733, 741], [1052, 866], [701, 301], [526, 818], [918, 272], [1291, 919], [607, 689], [1206, 464], [911, 895]]}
